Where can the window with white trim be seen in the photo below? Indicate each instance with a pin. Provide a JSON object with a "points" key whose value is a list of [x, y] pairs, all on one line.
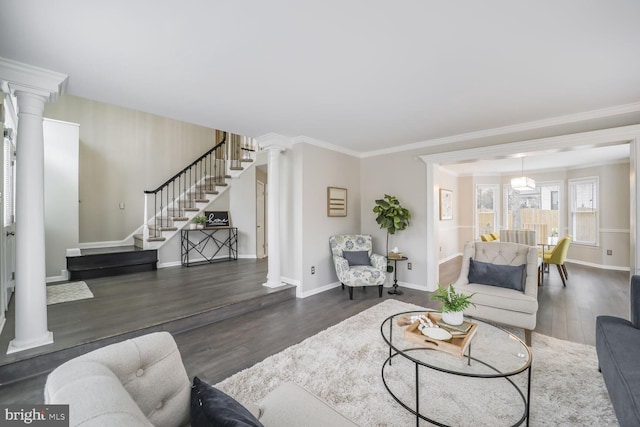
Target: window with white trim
{"points": [[487, 208], [583, 210]]}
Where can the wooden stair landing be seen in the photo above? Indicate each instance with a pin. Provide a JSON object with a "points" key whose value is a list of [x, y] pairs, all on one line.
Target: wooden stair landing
{"points": [[112, 261]]}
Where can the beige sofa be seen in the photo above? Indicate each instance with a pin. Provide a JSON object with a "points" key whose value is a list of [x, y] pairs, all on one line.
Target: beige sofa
{"points": [[143, 382], [498, 304]]}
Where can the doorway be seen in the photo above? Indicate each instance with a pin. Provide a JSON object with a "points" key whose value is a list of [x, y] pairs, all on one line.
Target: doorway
{"points": [[261, 191]]}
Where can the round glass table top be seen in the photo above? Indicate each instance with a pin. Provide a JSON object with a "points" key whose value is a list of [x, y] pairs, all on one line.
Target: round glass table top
{"points": [[494, 352]]}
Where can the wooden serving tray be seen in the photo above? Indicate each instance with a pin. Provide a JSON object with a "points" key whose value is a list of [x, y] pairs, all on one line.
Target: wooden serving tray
{"points": [[457, 345]]}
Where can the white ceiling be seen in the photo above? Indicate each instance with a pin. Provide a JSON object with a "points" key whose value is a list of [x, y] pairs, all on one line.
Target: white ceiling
{"points": [[364, 75], [543, 161]]}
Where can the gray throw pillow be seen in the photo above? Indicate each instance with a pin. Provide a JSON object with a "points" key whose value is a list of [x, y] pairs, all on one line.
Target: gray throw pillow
{"points": [[356, 257], [504, 276]]}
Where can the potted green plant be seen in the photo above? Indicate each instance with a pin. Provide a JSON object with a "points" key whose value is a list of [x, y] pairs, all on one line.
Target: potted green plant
{"points": [[200, 220], [453, 304], [392, 217]]}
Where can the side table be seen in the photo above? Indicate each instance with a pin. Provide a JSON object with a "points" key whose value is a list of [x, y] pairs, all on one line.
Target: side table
{"points": [[395, 290]]}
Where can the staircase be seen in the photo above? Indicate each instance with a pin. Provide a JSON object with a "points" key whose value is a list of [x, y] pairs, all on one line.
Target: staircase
{"points": [[185, 195], [172, 205]]}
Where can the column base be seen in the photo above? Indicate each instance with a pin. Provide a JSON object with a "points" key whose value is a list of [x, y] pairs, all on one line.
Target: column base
{"points": [[16, 346], [273, 284]]}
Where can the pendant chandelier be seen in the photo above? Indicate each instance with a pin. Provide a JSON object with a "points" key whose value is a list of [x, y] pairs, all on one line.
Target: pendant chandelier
{"points": [[523, 183]]}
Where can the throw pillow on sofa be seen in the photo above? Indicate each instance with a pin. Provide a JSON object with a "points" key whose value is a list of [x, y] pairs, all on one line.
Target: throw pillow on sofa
{"points": [[504, 276], [212, 407]]}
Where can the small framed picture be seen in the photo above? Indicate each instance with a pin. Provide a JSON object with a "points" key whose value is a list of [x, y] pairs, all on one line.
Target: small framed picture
{"points": [[217, 219], [446, 204], [336, 201]]}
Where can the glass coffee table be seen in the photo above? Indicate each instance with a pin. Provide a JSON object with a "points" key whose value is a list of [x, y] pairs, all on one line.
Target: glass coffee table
{"points": [[488, 383]]}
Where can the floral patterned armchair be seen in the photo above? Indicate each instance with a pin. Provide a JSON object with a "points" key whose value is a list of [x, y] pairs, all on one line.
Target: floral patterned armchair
{"points": [[355, 264]]}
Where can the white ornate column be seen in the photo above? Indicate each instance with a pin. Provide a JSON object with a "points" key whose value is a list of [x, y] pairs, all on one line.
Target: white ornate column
{"points": [[274, 144], [33, 87], [31, 293]]}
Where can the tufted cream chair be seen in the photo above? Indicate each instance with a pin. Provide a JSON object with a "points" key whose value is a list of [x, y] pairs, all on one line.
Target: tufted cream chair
{"points": [[507, 306], [131, 383]]}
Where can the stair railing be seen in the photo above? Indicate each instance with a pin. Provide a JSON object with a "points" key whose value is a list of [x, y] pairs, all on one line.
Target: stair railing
{"points": [[180, 194]]}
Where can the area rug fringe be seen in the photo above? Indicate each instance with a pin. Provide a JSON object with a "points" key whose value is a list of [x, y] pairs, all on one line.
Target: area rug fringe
{"points": [[342, 365]]}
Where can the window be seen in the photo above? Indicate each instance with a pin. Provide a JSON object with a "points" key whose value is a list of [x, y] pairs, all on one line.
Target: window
{"points": [[583, 210], [487, 208], [9, 183], [534, 210]]}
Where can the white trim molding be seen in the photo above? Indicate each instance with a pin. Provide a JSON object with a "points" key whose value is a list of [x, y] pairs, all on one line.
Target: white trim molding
{"points": [[512, 129], [326, 145], [27, 78]]}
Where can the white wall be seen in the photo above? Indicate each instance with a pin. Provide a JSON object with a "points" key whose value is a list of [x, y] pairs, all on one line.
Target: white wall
{"points": [[169, 254], [291, 211], [242, 208], [61, 213]]}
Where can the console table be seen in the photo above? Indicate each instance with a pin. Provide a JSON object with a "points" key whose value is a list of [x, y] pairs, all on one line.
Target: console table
{"points": [[213, 244]]}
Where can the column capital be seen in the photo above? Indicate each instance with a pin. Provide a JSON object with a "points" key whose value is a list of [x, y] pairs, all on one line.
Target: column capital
{"points": [[27, 78], [274, 141]]}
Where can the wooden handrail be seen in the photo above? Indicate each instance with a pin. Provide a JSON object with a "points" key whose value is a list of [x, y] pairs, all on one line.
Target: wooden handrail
{"points": [[173, 178]]}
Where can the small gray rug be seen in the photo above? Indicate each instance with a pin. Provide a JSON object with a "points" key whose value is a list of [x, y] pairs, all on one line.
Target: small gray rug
{"points": [[342, 365], [66, 292]]}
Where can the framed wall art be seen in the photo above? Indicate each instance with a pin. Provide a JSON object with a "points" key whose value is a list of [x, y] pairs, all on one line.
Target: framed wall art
{"points": [[446, 204], [336, 201]]}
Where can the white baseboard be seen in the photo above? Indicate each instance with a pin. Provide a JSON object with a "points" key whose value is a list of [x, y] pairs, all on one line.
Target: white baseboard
{"points": [[317, 291], [107, 244], [450, 257], [169, 264], [601, 266], [415, 286], [63, 277], [247, 257]]}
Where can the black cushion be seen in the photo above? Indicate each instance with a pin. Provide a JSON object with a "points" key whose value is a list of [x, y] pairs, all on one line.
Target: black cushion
{"points": [[356, 257], [211, 407], [635, 301], [504, 276]]}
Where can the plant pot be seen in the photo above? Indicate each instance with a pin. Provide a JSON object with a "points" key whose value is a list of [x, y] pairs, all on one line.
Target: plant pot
{"points": [[200, 226], [452, 317], [192, 226]]}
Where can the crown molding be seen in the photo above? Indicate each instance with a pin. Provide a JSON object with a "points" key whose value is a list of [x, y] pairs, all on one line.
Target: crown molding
{"points": [[598, 138], [27, 78], [274, 140], [326, 145], [521, 127]]}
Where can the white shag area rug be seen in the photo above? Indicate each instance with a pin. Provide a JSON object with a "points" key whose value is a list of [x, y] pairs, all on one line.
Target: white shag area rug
{"points": [[342, 365], [66, 292]]}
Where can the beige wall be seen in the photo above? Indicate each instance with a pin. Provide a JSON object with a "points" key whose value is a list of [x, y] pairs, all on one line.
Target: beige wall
{"points": [[402, 175], [324, 168], [122, 153]]}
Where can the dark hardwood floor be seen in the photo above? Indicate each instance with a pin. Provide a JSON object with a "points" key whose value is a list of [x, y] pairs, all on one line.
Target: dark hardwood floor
{"points": [[216, 351]]}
